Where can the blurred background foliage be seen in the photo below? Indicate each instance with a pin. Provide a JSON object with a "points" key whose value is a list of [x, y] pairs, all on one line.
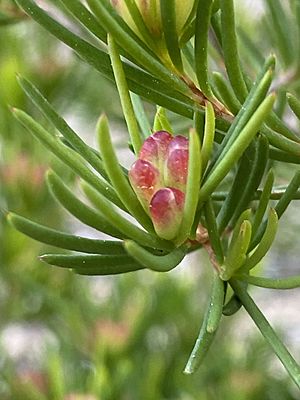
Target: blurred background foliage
{"points": [[68, 337]]}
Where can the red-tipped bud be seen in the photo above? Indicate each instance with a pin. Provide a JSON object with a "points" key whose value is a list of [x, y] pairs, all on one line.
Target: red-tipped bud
{"points": [[166, 209], [176, 167], [145, 180], [155, 148]]}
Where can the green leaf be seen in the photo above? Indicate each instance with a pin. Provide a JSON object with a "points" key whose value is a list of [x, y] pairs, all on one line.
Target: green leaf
{"points": [[128, 229], [265, 243], [140, 114], [80, 210], [237, 187], [163, 263], [93, 264], [123, 91], [263, 203], [217, 300], [291, 282], [230, 50], [85, 17], [281, 30], [282, 143], [64, 240], [204, 11], [259, 319], [161, 121], [60, 124], [255, 97], [236, 254], [280, 207], [139, 22], [117, 178], [193, 182], [237, 148], [205, 337], [224, 91], [294, 103], [255, 175], [168, 16], [232, 306], [209, 135], [212, 229], [68, 156]]}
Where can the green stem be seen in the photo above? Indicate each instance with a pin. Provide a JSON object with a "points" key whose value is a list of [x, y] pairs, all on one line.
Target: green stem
{"points": [[269, 334]]}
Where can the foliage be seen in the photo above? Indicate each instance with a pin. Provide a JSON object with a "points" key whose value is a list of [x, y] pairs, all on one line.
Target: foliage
{"points": [[184, 72]]}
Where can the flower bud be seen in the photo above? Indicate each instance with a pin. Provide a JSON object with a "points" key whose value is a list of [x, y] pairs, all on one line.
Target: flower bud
{"points": [[176, 167], [166, 208], [155, 149], [145, 180], [150, 11]]}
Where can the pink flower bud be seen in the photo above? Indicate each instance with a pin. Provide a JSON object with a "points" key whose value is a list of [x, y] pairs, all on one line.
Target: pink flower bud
{"points": [[166, 208], [155, 148], [176, 167], [145, 180]]}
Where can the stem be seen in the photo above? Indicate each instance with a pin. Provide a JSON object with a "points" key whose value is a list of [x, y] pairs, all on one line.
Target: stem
{"points": [[267, 331]]}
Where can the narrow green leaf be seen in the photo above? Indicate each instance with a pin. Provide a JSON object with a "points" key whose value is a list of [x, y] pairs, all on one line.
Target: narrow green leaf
{"points": [[280, 207], [204, 12], [232, 306], [217, 301], [209, 135], [139, 22], [263, 203], [237, 148], [294, 103], [156, 263], [117, 178], [291, 282], [212, 228], [259, 319], [281, 31], [255, 97], [237, 187], [111, 270], [85, 17], [236, 254], [278, 155], [80, 210], [281, 142], [93, 264], [128, 229], [225, 92], [204, 340], [161, 121], [255, 175], [127, 107], [168, 16], [64, 240], [275, 123], [265, 243], [140, 114], [193, 182], [68, 156], [230, 49], [60, 124]]}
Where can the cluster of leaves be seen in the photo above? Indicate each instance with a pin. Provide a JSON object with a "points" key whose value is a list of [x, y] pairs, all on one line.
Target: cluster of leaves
{"points": [[236, 113]]}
